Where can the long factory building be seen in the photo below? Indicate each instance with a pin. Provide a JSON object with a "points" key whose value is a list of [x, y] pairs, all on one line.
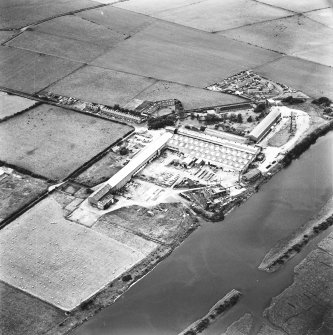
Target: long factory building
{"points": [[124, 175], [264, 127], [215, 150]]}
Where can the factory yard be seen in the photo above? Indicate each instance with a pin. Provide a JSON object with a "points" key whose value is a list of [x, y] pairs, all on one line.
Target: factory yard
{"points": [[53, 142]]}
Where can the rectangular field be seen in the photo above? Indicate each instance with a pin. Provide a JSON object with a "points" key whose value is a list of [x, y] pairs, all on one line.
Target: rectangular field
{"points": [[217, 15], [311, 78], [22, 314], [58, 261], [53, 142], [12, 104], [100, 85], [17, 190], [116, 19], [179, 54], [57, 46], [21, 13], [30, 72], [296, 36]]}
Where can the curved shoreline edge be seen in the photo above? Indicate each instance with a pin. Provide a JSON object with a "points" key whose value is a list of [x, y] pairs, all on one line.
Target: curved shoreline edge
{"points": [[112, 292]]}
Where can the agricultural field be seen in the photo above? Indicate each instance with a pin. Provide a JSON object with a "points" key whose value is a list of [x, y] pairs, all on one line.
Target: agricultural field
{"points": [[21, 13], [191, 97], [188, 56], [103, 86], [145, 247], [152, 6], [323, 16], [216, 15], [313, 79], [18, 314], [17, 190], [57, 46], [58, 261], [117, 20], [53, 142], [30, 72], [12, 104], [70, 37], [162, 223], [296, 35], [102, 170], [5, 35], [76, 28], [298, 6]]}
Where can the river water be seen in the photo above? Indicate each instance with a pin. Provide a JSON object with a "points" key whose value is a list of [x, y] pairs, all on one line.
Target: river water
{"points": [[225, 255]]}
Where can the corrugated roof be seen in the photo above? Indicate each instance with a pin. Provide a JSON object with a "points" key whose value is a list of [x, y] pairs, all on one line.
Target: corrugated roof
{"points": [[265, 123], [139, 159]]}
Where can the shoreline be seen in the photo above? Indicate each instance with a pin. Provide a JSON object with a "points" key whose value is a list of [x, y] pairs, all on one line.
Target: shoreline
{"points": [[286, 249], [114, 290], [223, 305]]}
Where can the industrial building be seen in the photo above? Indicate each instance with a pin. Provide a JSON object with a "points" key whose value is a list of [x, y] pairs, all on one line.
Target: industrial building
{"points": [[215, 150], [130, 169], [264, 127]]}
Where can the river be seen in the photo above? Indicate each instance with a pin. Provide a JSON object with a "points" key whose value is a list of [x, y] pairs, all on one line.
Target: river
{"points": [[225, 255]]}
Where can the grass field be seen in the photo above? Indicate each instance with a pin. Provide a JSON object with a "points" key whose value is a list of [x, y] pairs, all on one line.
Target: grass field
{"points": [[30, 72], [59, 261], [21, 13], [75, 28], [102, 170], [169, 52], [22, 314], [116, 19], [216, 15], [136, 242], [308, 77], [163, 223], [53, 142], [5, 35], [12, 104], [323, 16], [16, 190], [191, 97], [57, 46], [298, 6], [293, 36], [101, 85]]}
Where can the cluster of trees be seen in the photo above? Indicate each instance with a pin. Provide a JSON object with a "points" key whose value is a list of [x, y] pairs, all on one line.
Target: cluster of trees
{"points": [[260, 108], [306, 143], [291, 100], [125, 110], [161, 121], [322, 101]]}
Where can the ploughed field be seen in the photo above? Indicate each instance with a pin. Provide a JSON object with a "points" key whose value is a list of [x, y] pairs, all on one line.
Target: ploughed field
{"points": [[53, 142]]}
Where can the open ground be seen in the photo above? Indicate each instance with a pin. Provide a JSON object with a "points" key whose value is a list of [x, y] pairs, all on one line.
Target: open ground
{"points": [[18, 313], [10, 104], [53, 142], [17, 190], [58, 261]]}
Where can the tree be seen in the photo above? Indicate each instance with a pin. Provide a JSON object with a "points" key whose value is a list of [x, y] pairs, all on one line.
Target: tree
{"points": [[116, 106], [249, 119], [239, 118], [192, 115], [260, 108], [123, 151]]}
